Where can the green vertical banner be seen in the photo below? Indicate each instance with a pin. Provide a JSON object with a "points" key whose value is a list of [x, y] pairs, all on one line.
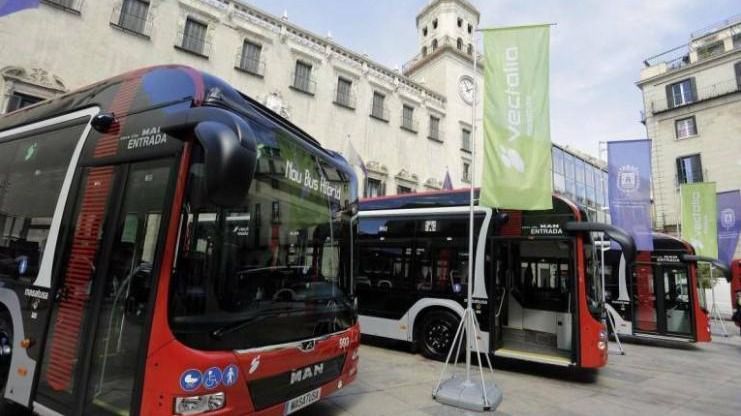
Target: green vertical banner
{"points": [[517, 137], [699, 217]]}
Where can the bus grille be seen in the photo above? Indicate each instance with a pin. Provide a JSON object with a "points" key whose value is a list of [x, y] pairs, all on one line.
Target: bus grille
{"points": [[270, 391]]}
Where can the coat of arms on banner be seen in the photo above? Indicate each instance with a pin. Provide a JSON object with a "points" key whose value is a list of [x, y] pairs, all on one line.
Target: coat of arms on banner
{"points": [[727, 218], [628, 179]]}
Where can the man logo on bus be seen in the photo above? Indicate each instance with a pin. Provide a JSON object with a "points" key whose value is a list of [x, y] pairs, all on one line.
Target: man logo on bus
{"points": [[727, 218], [628, 179], [307, 372]]}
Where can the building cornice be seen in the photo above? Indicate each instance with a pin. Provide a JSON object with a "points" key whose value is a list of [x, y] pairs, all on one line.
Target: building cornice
{"points": [[465, 4]]}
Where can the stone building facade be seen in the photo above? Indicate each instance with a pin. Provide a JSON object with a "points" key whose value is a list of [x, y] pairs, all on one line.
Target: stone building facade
{"points": [[692, 113]]}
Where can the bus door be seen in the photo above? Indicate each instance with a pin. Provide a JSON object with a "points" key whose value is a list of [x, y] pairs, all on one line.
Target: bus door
{"points": [[501, 281], [662, 299], [95, 351]]}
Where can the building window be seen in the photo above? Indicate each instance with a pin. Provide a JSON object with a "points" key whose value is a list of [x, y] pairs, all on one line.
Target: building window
{"points": [[470, 28], [133, 16], [435, 128], [460, 22], [374, 188], [434, 44], [407, 118], [73, 6], [557, 155], [737, 66], [466, 140], [302, 78], [685, 127], [378, 107], [344, 95], [18, 100], [249, 59], [194, 37], [424, 31], [434, 24], [470, 49], [689, 169], [424, 51], [681, 93], [459, 44], [466, 171], [401, 189]]}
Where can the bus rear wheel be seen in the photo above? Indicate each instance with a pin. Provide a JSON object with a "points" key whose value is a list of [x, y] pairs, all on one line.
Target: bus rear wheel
{"points": [[436, 333]]}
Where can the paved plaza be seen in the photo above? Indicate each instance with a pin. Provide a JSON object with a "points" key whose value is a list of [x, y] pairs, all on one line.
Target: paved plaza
{"points": [[703, 379]]}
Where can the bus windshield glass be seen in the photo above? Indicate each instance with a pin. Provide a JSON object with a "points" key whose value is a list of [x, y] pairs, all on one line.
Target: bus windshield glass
{"points": [[273, 270]]}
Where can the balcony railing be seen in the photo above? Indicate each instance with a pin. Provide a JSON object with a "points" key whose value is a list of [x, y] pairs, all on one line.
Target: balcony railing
{"points": [[72, 6], [437, 135], [132, 23], [304, 84], [380, 113], [716, 26], [193, 44], [409, 124], [703, 94], [345, 99], [250, 64]]}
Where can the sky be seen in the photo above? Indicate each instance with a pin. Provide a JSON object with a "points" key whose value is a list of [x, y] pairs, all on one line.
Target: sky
{"points": [[597, 48]]}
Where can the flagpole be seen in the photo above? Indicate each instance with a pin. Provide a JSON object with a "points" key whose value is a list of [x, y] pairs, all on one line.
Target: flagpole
{"points": [[471, 256]]}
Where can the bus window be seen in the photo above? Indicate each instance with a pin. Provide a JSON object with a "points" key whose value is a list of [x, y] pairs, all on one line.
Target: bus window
{"points": [[545, 275], [32, 170]]}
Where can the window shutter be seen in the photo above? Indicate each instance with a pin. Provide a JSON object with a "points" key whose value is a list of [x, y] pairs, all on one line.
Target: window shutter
{"points": [[693, 88], [669, 98], [680, 171], [697, 169], [738, 74]]}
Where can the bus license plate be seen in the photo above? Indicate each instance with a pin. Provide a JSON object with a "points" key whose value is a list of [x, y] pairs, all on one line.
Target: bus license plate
{"points": [[302, 401]]}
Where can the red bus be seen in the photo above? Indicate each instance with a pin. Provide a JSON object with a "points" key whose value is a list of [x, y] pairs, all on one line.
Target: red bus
{"points": [[659, 297], [536, 291], [170, 246], [736, 290]]}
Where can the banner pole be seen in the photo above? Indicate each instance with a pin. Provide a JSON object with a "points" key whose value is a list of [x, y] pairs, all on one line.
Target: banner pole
{"points": [[470, 214]]}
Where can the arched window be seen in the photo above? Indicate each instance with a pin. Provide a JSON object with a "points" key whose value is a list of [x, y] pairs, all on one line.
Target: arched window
{"points": [[470, 49], [470, 29], [424, 31], [460, 22], [434, 24], [434, 44], [460, 44], [424, 51]]}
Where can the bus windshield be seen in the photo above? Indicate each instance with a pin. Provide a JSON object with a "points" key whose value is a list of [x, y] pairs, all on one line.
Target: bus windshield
{"points": [[270, 271]]}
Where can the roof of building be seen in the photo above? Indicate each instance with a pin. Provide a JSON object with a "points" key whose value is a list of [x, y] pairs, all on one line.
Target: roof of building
{"points": [[325, 44], [464, 3]]}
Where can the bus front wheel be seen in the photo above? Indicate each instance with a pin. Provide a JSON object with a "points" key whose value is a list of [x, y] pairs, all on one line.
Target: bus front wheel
{"points": [[436, 333]]}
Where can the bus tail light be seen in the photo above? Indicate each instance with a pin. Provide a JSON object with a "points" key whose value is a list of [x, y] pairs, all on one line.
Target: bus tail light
{"points": [[602, 344], [194, 405]]}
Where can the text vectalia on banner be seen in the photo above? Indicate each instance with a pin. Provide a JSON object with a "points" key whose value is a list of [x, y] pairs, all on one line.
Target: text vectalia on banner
{"points": [[629, 188], [729, 224], [699, 217], [517, 141]]}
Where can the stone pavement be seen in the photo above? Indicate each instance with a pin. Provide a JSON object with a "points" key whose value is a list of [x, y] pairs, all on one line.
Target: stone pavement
{"points": [[702, 379]]}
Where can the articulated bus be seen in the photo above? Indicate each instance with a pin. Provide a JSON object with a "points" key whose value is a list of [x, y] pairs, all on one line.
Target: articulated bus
{"points": [[170, 246], [535, 291], [658, 296]]}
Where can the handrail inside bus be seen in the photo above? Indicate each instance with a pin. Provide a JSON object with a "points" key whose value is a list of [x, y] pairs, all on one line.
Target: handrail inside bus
{"points": [[691, 258], [616, 234]]}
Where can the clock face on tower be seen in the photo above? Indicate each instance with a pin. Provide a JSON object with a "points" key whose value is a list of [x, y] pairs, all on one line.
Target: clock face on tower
{"points": [[466, 89]]}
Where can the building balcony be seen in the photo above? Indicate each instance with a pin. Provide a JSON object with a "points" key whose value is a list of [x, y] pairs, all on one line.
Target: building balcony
{"points": [[193, 44], [249, 64], [717, 90], [131, 23], [345, 99], [71, 6]]}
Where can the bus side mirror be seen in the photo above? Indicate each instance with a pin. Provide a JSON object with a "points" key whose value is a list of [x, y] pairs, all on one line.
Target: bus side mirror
{"points": [[229, 146], [229, 164]]}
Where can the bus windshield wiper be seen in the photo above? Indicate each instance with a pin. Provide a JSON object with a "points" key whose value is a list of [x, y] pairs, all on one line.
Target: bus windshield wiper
{"points": [[253, 317]]}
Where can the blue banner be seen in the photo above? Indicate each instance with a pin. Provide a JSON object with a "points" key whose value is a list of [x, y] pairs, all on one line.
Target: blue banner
{"points": [[629, 189], [729, 226], [11, 6]]}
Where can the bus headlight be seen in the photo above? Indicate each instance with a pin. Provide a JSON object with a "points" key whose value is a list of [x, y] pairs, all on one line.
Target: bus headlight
{"points": [[601, 345], [194, 405], [602, 335]]}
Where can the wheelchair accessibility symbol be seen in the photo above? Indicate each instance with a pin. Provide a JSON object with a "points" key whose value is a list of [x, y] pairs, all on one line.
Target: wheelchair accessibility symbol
{"points": [[212, 378]]}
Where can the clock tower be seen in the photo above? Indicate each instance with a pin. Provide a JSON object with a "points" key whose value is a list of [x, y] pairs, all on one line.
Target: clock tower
{"points": [[444, 63]]}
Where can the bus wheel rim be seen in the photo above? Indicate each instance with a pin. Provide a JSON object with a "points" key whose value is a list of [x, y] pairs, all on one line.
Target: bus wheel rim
{"points": [[438, 337]]}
